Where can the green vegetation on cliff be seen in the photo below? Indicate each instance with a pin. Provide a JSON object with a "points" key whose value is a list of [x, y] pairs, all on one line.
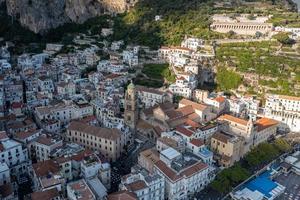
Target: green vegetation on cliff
{"points": [[178, 18], [266, 59], [257, 158], [227, 79], [159, 71]]}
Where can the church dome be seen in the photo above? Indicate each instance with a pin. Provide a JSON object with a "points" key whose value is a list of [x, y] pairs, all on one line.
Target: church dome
{"points": [[131, 86]]}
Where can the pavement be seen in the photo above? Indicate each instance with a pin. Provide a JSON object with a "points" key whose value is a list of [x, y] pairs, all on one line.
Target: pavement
{"points": [[207, 194], [123, 165], [292, 183]]}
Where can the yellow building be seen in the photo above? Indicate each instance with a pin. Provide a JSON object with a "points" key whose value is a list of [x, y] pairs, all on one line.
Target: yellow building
{"points": [[228, 148], [109, 142]]}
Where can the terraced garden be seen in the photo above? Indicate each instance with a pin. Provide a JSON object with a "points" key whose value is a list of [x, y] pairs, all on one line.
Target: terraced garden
{"points": [[268, 59]]}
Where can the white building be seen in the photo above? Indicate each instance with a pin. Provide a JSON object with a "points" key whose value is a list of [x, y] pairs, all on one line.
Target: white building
{"points": [[144, 185], [66, 89], [63, 112], [150, 96], [4, 174], [192, 43], [97, 188], [165, 52], [252, 106], [53, 48], [116, 45], [35, 61], [112, 66], [205, 132], [4, 53], [218, 103], [197, 147], [39, 59], [182, 178], [14, 155], [294, 31], [47, 175], [243, 24], [130, 58], [178, 59], [182, 87], [4, 65], [44, 145], [45, 84], [79, 190], [90, 166], [285, 109], [192, 67], [236, 106]]}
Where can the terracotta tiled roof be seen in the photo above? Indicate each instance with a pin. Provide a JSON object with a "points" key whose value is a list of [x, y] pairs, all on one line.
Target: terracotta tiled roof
{"points": [[137, 185], [173, 114], [174, 176], [16, 105], [181, 78], [166, 106], [44, 140], [45, 167], [6, 190], [144, 125], [220, 136], [45, 195], [150, 154], [208, 126], [122, 195], [194, 116], [192, 123], [1, 147], [196, 106], [184, 131], [26, 134], [233, 119], [80, 156], [292, 98], [158, 130], [197, 142], [82, 188], [180, 48], [220, 99], [186, 110], [194, 169], [168, 141], [112, 76], [110, 134], [149, 90], [170, 173], [264, 123], [61, 160], [3, 135]]}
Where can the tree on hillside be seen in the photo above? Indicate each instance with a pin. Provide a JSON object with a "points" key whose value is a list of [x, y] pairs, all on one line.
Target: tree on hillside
{"points": [[227, 79], [258, 34], [284, 38]]}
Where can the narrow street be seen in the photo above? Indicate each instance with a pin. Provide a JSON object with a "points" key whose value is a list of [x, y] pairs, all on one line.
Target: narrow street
{"points": [[123, 166]]}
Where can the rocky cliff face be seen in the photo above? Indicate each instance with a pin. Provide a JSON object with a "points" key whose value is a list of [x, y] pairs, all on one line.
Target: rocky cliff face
{"points": [[42, 15]]}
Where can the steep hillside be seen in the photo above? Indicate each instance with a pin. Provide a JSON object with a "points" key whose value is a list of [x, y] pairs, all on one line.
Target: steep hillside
{"points": [[42, 15]]}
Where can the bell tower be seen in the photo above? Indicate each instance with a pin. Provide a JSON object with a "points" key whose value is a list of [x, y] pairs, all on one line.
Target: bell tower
{"points": [[131, 107]]}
